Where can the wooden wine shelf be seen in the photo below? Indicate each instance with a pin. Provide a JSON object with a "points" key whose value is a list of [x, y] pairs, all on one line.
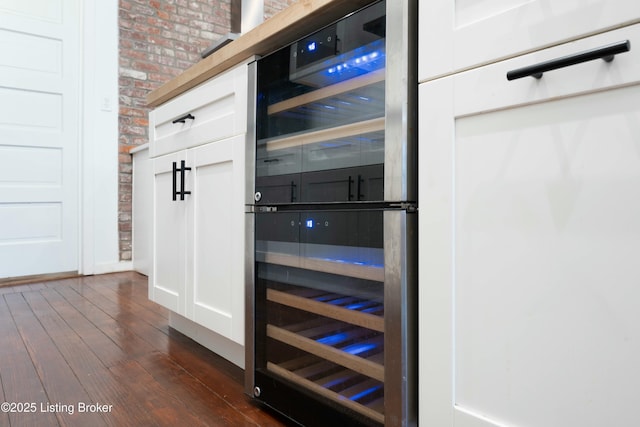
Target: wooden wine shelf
{"points": [[327, 266], [377, 415], [355, 363], [328, 92], [353, 317], [344, 131]]}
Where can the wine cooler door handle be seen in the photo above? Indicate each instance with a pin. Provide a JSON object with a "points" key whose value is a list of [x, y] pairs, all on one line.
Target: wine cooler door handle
{"points": [[293, 191], [359, 189], [607, 53], [183, 168], [184, 118], [175, 184]]}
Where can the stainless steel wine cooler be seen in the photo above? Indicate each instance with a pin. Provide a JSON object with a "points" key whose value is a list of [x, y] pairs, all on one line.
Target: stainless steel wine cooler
{"points": [[331, 317]]}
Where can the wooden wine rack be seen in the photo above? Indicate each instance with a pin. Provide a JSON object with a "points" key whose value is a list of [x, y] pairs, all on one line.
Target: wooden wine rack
{"points": [[367, 272], [348, 369]]}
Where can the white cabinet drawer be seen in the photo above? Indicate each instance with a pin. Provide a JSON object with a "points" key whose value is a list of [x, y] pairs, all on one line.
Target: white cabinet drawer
{"points": [[491, 90], [460, 34], [217, 110]]}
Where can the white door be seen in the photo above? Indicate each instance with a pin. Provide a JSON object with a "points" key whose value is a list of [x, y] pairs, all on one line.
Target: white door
{"points": [[168, 275], [39, 132], [216, 227], [459, 34], [529, 242]]}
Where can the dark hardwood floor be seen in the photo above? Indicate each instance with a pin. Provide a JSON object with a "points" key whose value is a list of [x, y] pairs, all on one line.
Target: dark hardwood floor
{"points": [[97, 340]]}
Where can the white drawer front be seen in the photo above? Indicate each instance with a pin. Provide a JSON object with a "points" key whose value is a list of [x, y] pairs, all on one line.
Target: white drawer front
{"points": [[460, 34], [218, 108], [491, 90]]}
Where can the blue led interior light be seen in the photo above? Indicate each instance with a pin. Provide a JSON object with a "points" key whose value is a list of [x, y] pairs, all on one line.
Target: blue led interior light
{"points": [[311, 46], [309, 223], [355, 305], [366, 392], [360, 61], [359, 348], [333, 339], [339, 300]]}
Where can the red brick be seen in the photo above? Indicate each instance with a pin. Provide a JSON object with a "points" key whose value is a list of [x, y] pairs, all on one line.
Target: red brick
{"points": [[158, 40]]}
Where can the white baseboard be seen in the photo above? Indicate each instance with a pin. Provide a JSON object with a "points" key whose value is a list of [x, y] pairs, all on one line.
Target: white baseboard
{"points": [[114, 267]]}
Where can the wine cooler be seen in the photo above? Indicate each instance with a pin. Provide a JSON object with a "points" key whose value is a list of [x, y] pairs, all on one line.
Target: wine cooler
{"points": [[331, 319]]}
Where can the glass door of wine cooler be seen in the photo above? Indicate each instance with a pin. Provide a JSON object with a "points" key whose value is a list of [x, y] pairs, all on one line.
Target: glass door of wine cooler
{"points": [[321, 330], [321, 115]]}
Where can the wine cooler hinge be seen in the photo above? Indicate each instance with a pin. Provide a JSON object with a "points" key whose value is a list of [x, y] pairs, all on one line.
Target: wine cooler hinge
{"points": [[262, 209], [410, 207]]}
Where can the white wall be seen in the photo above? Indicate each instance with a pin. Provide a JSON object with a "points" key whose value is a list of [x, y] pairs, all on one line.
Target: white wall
{"points": [[142, 209], [99, 140]]}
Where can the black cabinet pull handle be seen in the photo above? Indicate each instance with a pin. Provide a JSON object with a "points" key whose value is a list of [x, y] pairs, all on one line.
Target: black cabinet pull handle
{"points": [[360, 195], [184, 118], [349, 195], [183, 168], [607, 53], [175, 186], [293, 191]]}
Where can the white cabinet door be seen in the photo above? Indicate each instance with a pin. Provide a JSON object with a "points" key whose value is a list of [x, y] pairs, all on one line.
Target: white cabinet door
{"points": [[460, 34], [167, 280], [216, 230], [529, 242]]}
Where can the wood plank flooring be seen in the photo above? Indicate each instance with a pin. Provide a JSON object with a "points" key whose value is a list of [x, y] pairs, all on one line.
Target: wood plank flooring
{"points": [[98, 340]]}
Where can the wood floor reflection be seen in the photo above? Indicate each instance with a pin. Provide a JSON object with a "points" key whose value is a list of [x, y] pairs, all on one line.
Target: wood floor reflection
{"points": [[94, 351]]}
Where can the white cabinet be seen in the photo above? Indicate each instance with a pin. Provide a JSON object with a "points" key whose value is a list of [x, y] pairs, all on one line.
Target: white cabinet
{"points": [[168, 275], [529, 222], [199, 244], [198, 209], [460, 34], [215, 229]]}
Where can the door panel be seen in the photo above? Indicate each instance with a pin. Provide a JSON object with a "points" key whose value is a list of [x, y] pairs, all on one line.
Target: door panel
{"points": [[278, 189], [167, 283], [39, 119], [529, 224], [216, 225]]}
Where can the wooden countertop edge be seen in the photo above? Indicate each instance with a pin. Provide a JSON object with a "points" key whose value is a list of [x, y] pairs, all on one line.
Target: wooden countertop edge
{"points": [[283, 28]]}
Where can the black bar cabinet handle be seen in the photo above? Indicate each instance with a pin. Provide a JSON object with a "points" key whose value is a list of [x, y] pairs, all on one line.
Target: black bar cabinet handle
{"points": [[175, 186], [183, 168], [184, 118], [293, 191], [359, 190], [349, 195], [606, 53]]}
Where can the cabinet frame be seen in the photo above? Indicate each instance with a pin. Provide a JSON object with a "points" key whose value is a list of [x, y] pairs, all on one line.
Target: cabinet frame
{"points": [[477, 96]]}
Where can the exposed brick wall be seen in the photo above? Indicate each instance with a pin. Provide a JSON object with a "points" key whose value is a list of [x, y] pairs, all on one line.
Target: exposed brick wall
{"points": [[158, 40], [271, 7]]}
